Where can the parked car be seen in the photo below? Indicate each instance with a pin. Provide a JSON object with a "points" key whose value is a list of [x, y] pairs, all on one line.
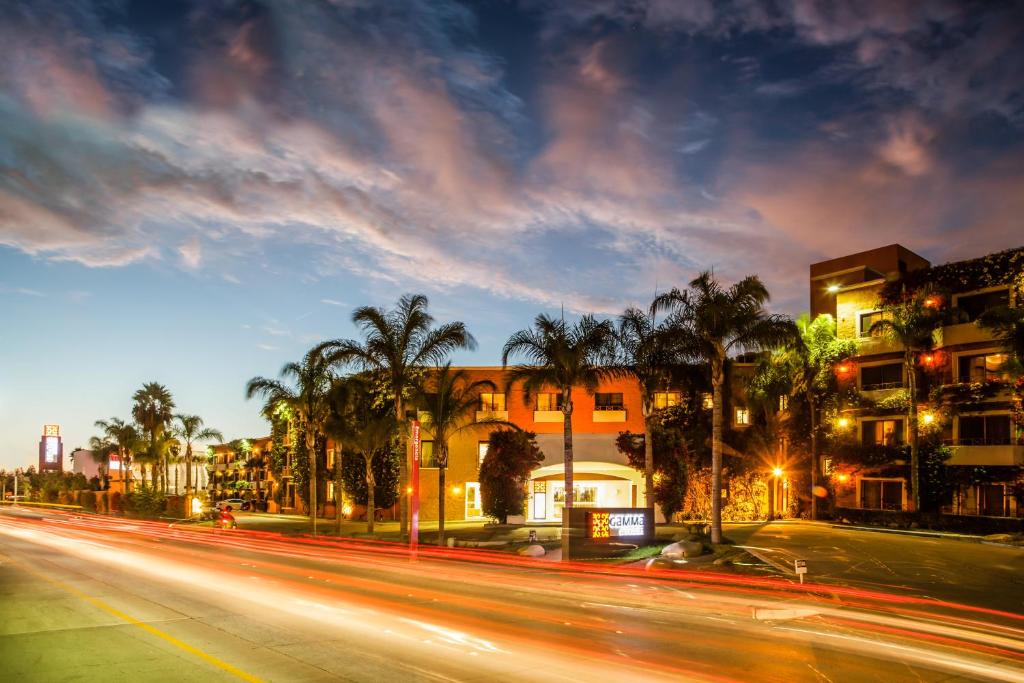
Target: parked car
{"points": [[235, 503]]}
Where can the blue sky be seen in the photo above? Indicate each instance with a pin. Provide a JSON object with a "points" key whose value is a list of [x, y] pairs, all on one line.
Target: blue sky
{"points": [[194, 193]]}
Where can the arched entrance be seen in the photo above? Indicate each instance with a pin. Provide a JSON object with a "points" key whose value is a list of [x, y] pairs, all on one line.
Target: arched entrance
{"points": [[596, 484]]}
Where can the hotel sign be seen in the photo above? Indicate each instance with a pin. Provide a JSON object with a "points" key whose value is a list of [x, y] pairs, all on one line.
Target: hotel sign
{"points": [[602, 524]]}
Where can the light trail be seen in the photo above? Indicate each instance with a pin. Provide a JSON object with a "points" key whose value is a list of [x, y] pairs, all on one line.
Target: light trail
{"points": [[509, 613]]}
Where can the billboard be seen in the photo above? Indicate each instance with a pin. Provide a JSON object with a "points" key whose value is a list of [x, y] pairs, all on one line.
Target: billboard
{"points": [[51, 449]]}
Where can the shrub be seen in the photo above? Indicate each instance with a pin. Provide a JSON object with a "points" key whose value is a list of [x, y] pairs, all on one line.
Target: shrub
{"points": [[145, 502], [87, 499]]}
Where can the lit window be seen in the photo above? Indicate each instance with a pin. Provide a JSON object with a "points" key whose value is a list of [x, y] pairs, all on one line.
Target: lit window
{"points": [[330, 458], [742, 416], [549, 401], [707, 400], [481, 449], [666, 399], [783, 402], [983, 367], [869, 319], [427, 459], [608, 402], [492, 402], [882, 432]]}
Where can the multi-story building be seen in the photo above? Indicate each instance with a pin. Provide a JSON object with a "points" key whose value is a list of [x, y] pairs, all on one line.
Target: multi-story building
{"points": [[967, 403], [602, 476], [241, 469]]}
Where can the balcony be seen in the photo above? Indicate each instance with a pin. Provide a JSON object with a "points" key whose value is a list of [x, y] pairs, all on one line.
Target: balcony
{"points": [[878, 344], [986, 454], [486, 415], [964, 333], [548, 416], [610, 414]]}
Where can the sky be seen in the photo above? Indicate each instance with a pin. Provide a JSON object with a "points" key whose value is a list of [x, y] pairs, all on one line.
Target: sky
{"points": [[197, 192]]}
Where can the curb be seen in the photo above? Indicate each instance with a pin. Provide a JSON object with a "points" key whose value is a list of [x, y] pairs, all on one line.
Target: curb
{"points": [[925, 533]]}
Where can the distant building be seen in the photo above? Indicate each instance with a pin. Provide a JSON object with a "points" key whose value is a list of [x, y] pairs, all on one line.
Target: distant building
{"points": [[82, 463], [51, 450]]}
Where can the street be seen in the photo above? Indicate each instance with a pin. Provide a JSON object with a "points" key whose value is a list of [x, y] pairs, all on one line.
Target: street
{"points": [[88, 597]]}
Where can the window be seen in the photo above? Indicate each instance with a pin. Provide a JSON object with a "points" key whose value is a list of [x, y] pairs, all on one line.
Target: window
{"points": [[427, 459], [549, 401], [707, 400], [881, 494], [783, 402], [742, 416], [481, 449], [666, 399], [982, 368], [882, 432], [608, 402], [330, 458], [984, 430], [875, 377], [492, 402], [973, 305], [869, 319]]}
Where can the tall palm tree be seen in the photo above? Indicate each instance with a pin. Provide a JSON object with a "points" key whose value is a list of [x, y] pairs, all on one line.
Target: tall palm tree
{"points": [[911, 323], [306, 397], [707, 323], [397, 346], [376, 432], [191, 428], [644, 352], [126, 439], [450, 399], [153, 410], [562, 356], [810, 357]]}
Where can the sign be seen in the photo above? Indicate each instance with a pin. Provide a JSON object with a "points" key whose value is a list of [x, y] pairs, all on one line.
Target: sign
{"points": [[801, 568], [51, 430], [115, 463], [51, 449], [414, 493], [616, 524], [596, 532]]}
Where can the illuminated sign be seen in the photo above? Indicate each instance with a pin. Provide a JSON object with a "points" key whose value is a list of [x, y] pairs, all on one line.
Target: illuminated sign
{"points": [[115, 463], [52, 449], [616, 524], [51, 430]]}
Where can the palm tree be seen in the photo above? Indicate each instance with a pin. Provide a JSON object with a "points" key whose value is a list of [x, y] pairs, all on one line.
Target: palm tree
{"points": [[191, 428], [153, 411], [100, 449], [646, 355], [562, 357], [450, 400], [707, 322], [307, 399], [811, 356], [397, 346], [126, 439], [375, 434], [911, 323]]}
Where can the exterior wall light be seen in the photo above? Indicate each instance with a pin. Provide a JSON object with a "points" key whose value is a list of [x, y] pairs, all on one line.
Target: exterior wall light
{"points": [[777, 471]]}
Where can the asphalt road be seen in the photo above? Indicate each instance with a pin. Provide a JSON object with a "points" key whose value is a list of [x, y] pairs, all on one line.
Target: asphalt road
{"points": [[975, 573], [88, 598]]}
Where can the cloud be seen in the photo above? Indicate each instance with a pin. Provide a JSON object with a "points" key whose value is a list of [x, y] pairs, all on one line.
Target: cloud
{"points": [[333, 302], [191, 253]]}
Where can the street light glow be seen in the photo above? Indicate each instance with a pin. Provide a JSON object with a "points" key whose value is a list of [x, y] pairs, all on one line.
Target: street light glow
{"points": [[832, 289], [777, 471]]}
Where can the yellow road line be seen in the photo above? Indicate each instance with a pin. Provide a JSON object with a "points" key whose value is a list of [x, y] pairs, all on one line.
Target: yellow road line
{"points": [[96, 602]]}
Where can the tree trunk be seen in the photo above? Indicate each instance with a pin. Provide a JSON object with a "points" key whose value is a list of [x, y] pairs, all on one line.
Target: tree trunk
{"points": [[567, 455], [337, 489], [188, 471], [718, 385], [648, 455], [442, 466], [311, 449], [915, 473], [403, 469], [813, 404], [371, 509]]}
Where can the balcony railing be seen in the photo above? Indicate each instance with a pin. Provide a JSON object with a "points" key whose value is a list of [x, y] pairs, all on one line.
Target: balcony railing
{"points": [[880, 386]]}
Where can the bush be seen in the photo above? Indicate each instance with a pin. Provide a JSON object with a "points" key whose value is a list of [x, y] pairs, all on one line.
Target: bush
{"points": [[505, 472], [145, 502], [87, 499]]}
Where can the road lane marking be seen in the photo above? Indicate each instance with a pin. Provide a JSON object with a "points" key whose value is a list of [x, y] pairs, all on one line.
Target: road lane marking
{"points": [[167, 637]]}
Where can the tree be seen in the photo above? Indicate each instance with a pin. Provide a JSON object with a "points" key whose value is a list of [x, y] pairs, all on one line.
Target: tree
{"points": [[398, 344], [1007, 325], [706, 323], [645, 353], [191, 428], [126, 439], [562, 357], [811, 356], [153, 411], [375, 434], [306, 397], [450, 399], [505, 472], [911, 323], [100, 450], [385, 477]]}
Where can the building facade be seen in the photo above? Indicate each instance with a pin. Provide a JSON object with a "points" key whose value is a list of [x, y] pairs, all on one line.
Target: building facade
{"points": [[967, 402]]}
